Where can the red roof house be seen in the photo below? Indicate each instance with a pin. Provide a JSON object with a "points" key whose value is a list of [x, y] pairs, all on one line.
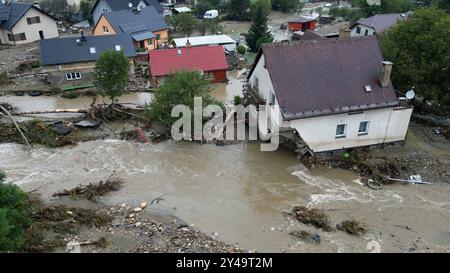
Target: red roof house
{"points": [[210, 60], [302, 24]]}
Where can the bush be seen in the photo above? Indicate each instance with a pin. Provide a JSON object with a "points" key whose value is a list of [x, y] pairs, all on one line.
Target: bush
{"points": [[241, 50], [13, 217], [237, 100]]}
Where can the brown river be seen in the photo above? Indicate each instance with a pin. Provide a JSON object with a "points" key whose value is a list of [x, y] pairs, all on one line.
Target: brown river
{"points": [[236, 192]]}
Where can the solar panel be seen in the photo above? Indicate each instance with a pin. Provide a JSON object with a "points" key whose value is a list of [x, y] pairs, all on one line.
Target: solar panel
{"points": [[133, 27]]}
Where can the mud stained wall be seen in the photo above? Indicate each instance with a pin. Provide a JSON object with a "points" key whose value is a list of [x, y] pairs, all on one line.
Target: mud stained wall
{"points": [[385, 125]]}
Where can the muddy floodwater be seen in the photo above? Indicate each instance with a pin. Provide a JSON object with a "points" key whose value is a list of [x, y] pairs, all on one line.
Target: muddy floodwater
{"points": [[239, 192]]}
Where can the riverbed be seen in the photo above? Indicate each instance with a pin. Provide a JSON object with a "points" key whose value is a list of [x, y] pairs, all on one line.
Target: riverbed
{"points": [[238, 193]]}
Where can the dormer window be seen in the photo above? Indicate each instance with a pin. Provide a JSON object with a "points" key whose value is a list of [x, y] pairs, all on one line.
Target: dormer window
{"points": [[368, 88], [92, 50], [118, 47]]}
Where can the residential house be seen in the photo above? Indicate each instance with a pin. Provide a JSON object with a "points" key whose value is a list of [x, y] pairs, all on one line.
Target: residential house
{"points": [[334, 93], [377, 23], [71, 61], [209, 40], [22, 23], [302, 24], [210, 60], [104, 6], [146, 26]]}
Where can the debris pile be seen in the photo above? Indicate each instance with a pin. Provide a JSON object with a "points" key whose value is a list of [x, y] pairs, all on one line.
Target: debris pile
{"points": [[352, 227], [314, 217], [92, 191]]}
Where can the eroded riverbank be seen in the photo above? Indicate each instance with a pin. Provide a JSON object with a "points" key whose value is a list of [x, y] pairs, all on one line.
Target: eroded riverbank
{"points": [[238, 193]]}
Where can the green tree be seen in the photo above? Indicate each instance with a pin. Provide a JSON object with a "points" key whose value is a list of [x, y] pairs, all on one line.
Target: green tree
{"points": [[266, 4], [112, 73], [13, 217], [420, 50], [238, 9], [183, 22], [259, 31], [211, 25], [386, 6], [86, 7], [179, 88], [202, 7], [285, 5]]}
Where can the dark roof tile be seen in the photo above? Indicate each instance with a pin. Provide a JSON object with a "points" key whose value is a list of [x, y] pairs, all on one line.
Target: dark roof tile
{"points": [[326, 76]]}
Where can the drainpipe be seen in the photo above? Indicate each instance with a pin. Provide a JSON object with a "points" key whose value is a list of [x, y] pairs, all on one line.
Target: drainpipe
{"points": [[387, 128]]}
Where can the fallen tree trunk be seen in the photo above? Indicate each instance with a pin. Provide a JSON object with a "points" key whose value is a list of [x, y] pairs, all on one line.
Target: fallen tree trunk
{"points": [[53, 111], [17, 125]]}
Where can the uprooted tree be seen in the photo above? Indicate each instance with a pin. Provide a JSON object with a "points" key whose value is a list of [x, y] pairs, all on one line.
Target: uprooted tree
{"points": [[179, 88], [112, 73]]}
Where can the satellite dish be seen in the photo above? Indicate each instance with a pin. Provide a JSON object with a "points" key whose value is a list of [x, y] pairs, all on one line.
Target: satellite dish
{"points": [[130, 5], [410, 94]]}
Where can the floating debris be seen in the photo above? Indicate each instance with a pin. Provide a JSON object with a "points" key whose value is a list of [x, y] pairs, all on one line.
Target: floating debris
{"points": [[352, 227], [314, 217], [88, 123], [92, 191]]}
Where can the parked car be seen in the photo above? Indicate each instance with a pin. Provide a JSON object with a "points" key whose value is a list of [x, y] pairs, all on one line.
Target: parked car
{"points": [[211, 14]]}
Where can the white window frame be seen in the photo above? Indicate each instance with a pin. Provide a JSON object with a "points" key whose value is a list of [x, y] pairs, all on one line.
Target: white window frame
{"points": [[73, 76], [105, 29], [92, 50], [343, 134], [367, 128]]}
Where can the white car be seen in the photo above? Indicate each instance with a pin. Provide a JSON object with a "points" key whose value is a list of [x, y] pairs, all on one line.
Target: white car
{"points": [[211, 14]]}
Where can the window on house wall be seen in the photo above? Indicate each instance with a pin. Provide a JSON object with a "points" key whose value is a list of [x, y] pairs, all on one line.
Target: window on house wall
{"points": [[33, 20], [272, 99], [73, 76], [367, 32], [17, 37], [105, 10], [363, 128], [158, 37], [358, 30], [340, 130], [105, 29], [256, 84]]}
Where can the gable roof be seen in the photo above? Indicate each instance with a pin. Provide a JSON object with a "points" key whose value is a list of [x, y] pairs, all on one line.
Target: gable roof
{"points": [[381, 22], [67, 50], [328, 76], [203, 58], [116, 5], [127, 21], [11, 13]]}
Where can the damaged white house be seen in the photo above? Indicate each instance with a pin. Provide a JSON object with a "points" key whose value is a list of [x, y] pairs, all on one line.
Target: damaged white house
{"points": [[334, 93]]}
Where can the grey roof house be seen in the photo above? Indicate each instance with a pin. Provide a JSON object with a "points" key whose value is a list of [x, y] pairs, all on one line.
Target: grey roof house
{"points": [[104, 6], [71, 60], [146, 26], [334, 93], [22, 23], [377, 23]]}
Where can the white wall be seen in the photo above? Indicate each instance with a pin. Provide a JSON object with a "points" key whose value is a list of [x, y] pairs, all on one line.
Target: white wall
{"points": [[264, 91], [370, 30], [385, 125], [47, 25]]}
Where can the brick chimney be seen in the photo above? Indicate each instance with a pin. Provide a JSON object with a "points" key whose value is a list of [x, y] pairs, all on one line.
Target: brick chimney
{"points": [[385, 74], [344, 33]]}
